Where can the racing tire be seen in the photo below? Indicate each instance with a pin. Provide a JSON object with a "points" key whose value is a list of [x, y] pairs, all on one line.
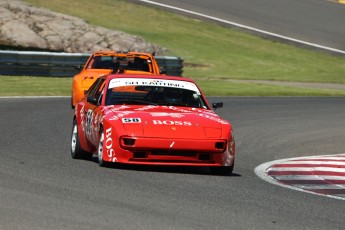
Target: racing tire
{"points": [[76, 151], [222, 170], [101, 162]]}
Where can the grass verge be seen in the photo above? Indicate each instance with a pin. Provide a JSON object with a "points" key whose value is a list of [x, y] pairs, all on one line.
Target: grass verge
{"points": [[44, 86], [35, 86], [212, 51]]}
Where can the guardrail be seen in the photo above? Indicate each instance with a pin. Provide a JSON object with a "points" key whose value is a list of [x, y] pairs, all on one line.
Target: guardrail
{"points": [[63, 64]]}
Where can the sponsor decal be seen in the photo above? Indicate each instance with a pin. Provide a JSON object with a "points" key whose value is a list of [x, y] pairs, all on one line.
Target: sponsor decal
{"points": [[131, 120], [201, 113], [147, 108], [111, 108], [153, 82], [82, 118], [95, 119], [107, 112], [89, 117], [213, 118], [175, 115], [109, 145], [169, 122], [114, 118], [122, 107], [119, 115]]}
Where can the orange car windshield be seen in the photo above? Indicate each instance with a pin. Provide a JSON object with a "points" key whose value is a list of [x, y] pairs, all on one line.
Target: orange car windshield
{"points": [[132, 63]]}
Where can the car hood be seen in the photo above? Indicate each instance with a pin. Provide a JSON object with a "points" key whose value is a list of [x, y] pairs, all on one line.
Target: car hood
{"points": [[168, 122]]}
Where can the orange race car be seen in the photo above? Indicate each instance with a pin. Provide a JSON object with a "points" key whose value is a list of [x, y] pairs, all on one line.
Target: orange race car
{"points": [[104, 62]]}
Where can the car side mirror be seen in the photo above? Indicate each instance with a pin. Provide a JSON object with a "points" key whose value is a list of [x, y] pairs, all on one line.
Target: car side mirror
{"points": [[92, 100], [217, 105]]}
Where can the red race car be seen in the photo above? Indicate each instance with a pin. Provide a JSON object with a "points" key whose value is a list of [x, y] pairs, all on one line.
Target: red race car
{"points": [[152, 120]]}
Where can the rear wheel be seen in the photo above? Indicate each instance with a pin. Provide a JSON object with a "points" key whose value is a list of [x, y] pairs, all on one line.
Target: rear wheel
{"points": [[76, 151]]}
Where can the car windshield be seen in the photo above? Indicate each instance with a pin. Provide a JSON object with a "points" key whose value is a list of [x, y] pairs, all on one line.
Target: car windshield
{"points": [[153, 92], [133, 63]]}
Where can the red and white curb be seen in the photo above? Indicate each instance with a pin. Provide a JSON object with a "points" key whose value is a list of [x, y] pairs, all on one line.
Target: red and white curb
{"points": [[320, 175]]}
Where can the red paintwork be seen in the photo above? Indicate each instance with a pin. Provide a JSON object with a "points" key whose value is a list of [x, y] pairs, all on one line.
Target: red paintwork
{"points": [[165, 135]]}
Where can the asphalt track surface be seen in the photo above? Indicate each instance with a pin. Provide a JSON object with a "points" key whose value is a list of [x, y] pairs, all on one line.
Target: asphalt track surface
{"points": [[42, 187], [319, 22]]}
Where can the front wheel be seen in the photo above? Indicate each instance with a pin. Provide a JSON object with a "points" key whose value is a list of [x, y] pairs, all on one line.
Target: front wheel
{"points": [[76, 151], [101, 162]]}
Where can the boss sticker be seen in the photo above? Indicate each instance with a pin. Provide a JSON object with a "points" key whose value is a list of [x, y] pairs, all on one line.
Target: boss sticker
{"points": [[109, 145], [169, 122]]}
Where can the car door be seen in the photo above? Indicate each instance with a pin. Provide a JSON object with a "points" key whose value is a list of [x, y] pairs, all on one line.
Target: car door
{"points": [[92, 114]]}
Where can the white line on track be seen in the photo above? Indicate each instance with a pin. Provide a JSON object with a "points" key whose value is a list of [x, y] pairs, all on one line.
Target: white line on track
{"points": [[244, 27], [301, 169], [32, 97], [329, 162], [309, 177], [319, 187]]}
